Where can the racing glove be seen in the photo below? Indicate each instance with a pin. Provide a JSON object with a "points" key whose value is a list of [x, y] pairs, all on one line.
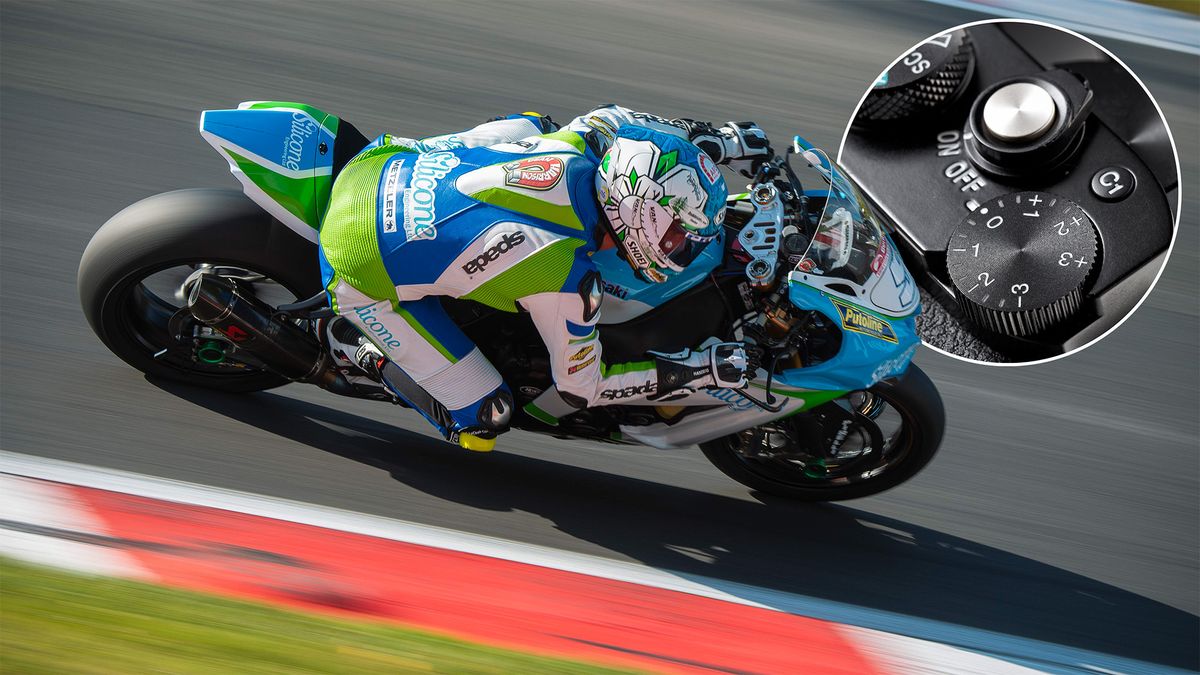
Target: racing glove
{"points": [[741, 145], [721, 365]]}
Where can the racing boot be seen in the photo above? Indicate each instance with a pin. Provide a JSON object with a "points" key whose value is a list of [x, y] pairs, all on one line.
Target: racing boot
{"points": [[473, 427], [476, 426]]}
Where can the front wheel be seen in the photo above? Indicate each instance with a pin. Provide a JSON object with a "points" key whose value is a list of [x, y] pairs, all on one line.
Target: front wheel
{"points": [[885, 435]]}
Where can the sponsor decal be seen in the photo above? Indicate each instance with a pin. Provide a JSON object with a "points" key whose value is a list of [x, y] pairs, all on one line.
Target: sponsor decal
{"points": [[880, 256], [806, 265], [437, 144], [840, 437], [508, 242], [615, 290], [732, 399], [893, 366], [711, 172], [647, 117], [420, 213], [391, 184], [581, 366], [747, 297], [293, 144], [859, 321], [368, 317], [534, 173], [633, 390], [634, 250], [582, 353]]}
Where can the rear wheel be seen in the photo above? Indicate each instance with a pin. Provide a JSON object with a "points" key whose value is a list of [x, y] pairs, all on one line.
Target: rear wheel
{"points": [[135, 273], [881, 437]]}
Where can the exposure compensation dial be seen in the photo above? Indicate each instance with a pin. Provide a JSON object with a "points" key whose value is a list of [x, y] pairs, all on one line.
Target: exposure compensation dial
{"points": [[1020, 261]]}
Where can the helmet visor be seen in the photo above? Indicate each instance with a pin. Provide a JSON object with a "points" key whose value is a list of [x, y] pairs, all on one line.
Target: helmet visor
{"points": [[682, 245]]}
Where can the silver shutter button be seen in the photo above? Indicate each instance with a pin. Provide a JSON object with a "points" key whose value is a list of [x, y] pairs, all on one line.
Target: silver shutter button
{"points": [[1019, 112]]}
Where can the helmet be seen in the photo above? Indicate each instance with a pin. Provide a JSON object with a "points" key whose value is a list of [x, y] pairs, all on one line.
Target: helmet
{"points": [[664, 200]]}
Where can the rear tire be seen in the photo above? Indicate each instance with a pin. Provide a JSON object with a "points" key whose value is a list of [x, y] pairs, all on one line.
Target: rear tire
{"points": [[181, 228], [919, 405]]}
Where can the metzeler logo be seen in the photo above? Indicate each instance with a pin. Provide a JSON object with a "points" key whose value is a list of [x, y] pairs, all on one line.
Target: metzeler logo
{"points": [[419, 209], [293, 143], [615, 394], [390, 185], [510, 241], [861, 322], [534, 173], [373, 324]]}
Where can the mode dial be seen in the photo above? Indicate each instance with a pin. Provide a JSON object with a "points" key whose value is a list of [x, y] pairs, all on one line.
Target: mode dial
{"points": [[1019, 262], [926, 80]]}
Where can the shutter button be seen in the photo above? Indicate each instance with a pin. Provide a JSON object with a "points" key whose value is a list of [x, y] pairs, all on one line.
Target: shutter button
{"points": [[1019, 112]]}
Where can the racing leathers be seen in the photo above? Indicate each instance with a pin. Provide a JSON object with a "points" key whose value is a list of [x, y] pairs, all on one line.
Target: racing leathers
{"points": [[504, 214]]}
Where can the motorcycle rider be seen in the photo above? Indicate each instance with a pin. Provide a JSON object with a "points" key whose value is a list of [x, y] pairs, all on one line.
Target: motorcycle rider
{"points": [[508, 214]]}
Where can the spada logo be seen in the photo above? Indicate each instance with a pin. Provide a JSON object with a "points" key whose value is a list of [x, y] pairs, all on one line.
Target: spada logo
{"points": [[293, 144], [857, 320], [420, 213], [534, 173], [508, 242], [635, 390]]}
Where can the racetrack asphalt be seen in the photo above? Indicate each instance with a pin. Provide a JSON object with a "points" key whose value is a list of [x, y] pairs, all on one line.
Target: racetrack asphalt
{"points": [[1063, 505]]}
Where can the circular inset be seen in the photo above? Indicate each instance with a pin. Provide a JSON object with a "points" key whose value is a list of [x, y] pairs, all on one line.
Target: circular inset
{"points": [[1036, 205]]}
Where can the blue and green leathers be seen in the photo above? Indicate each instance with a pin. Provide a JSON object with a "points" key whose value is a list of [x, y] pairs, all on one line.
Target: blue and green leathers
{"points": [[505, 214]]}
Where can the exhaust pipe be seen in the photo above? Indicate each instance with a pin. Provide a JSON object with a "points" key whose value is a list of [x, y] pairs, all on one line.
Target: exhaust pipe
{"points": [[283, 347]]}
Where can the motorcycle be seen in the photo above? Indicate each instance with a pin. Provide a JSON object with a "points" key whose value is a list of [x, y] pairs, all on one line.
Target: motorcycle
{"points": [[221, 288]]}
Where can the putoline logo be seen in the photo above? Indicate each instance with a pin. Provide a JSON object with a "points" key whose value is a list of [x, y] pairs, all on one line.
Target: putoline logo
{"points": [[863, 322]]}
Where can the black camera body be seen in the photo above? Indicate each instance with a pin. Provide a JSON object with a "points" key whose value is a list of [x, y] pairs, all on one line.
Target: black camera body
{"points": [[1030, 180]]}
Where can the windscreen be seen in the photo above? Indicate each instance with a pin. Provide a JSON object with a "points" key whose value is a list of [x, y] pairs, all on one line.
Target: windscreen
{"points": [[848, 242]]}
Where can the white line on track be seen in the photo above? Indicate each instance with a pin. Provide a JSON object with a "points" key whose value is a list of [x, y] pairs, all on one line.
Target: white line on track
{"points": [[888, 630]]}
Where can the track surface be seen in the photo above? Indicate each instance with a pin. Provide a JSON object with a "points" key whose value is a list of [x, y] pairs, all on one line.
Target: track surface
{"points": [[1064, 503]]}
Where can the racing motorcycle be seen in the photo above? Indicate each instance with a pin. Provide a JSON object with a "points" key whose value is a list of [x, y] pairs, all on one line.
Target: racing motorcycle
{"points": [[221, 288]]}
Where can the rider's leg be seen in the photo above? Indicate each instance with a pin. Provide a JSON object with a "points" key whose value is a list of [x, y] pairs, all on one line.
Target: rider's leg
{"points": [[432, 352]]}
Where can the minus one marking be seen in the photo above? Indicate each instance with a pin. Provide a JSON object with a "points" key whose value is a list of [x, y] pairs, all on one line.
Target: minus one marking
{"points": [[963, 250]]}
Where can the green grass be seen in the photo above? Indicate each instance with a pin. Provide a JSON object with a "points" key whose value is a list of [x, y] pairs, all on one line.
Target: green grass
{"points": [[54, 622]]}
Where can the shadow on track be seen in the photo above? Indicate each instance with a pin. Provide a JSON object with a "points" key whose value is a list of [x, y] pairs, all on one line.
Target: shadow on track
{"points": [[832, 552]]}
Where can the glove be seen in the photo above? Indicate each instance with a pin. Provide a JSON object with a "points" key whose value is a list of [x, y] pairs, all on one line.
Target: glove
{"points": [[741, 145], [747, 147], [720, 365]]}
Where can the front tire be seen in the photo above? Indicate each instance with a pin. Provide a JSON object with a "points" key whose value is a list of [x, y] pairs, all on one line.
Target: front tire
{"points": [[182, 230], [913, 396]]}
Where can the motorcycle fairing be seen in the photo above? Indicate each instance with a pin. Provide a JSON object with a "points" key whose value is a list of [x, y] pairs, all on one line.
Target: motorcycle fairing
{"points": [[283, 155]]}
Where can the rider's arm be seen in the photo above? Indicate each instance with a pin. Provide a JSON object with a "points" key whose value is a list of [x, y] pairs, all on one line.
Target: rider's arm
{"points": [[497, 130], [568, 323], [735, 142]]}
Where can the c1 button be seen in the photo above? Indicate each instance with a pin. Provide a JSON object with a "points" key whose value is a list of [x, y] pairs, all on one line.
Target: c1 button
{"points": [[1113, 183]]}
